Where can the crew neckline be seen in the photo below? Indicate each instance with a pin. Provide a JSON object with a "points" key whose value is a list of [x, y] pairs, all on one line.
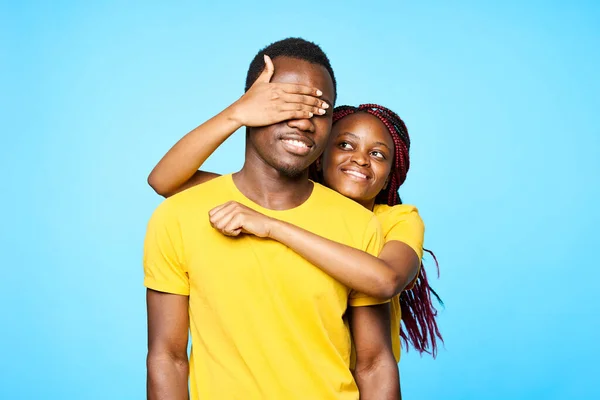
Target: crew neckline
{"points": [[247, 201]]}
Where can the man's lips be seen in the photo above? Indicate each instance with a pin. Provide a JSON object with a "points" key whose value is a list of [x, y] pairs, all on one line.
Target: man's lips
{"points": [[294, 138], [297, 144]]}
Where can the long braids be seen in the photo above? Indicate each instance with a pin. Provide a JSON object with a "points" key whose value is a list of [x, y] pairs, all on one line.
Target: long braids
{"points": [[418, 313]]}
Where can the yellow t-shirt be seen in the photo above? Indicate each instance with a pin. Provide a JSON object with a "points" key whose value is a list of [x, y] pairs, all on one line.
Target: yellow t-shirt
{"points": [[264, 322], [402, 223]]}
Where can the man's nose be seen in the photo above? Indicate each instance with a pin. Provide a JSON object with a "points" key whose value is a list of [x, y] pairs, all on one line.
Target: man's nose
{"points": [[304, 125]]}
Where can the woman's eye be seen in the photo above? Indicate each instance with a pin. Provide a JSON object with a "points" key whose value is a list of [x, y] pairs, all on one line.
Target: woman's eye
{"points": [[378, 154]]}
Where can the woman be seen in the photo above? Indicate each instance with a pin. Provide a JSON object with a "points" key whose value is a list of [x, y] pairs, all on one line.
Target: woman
{"points": [[366, 159]]}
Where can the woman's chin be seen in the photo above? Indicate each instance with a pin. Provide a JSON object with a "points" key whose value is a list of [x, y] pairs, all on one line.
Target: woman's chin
{"points": [[358, 192]]}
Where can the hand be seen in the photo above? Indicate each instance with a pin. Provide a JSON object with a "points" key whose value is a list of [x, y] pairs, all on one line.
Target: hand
{"points": [[233, 218], [267, 103]]}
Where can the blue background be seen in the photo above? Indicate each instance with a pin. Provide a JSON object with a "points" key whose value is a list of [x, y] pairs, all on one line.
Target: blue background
{"points": [[502, 104]]}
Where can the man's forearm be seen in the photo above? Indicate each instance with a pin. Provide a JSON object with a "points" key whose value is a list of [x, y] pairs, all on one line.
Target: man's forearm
{"points": [[167, 378], [380, 381]]}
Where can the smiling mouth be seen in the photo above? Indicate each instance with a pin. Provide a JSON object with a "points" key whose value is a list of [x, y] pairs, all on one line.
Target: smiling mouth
{"points": [[296, 143], [296, 147], [355, 174]]}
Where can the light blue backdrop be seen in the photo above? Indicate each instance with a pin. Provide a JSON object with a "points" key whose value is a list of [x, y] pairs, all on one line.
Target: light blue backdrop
{"points": [[502, 104]]}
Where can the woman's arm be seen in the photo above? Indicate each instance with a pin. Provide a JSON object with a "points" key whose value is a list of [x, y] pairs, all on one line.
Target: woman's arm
{"points": [[178, 169], [378, 277], [263, 104], [382, 277]]}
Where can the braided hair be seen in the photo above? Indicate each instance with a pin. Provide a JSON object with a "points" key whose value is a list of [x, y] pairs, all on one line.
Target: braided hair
{"points": [[418, 313]]}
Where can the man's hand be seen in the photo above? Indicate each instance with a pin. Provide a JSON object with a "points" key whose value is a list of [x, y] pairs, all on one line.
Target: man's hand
{"points": [[233, 218], [267, 103]]}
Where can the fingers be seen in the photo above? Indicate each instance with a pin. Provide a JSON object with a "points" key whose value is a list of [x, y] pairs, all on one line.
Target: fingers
{"points": [[300, 110], [228, 218], [234, 226], [269, 67], [223, 215], [235, 232], [287, 115], [293, 88], [267, 72], [307, 100], [217, 209]]}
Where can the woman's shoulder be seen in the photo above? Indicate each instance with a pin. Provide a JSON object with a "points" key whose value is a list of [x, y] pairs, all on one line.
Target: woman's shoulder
{"points": [[402, 217], [383, 211], [402, 223], [332, 201]]}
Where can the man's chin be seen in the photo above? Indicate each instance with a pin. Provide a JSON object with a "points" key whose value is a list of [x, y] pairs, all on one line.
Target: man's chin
{"points": [[291, 166], [292, 170]]}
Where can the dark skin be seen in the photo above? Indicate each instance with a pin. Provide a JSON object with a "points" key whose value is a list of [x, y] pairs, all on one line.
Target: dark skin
{"points": [[358, 159], [357, 163], [359, 142], [167, 360], [375, 373], [275, 176]]}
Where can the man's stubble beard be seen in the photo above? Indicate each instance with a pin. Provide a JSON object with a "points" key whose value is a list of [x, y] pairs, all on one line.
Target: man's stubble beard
{"points": [[290, 171]]}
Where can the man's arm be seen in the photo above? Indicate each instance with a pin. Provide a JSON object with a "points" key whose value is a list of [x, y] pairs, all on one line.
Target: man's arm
{"points": [[167, 360], [376, 371]]}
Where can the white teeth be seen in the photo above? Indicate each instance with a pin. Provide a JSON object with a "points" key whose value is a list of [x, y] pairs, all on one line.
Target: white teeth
{"points": [[296, 143], [356, 173]]}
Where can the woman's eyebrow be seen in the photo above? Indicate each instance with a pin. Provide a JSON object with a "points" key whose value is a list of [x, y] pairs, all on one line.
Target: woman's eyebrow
{"points": [[384, 145], [349, 134]]}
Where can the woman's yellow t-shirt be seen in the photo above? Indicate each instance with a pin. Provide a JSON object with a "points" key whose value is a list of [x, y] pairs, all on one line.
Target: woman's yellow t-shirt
{"points": [[402, 223]]}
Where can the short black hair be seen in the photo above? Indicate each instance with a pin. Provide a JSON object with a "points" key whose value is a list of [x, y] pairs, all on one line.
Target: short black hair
{"points": [[293, 48]]}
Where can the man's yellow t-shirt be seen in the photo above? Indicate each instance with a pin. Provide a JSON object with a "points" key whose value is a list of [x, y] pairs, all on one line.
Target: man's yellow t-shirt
{"points": [[402, 223], [264, 322]]}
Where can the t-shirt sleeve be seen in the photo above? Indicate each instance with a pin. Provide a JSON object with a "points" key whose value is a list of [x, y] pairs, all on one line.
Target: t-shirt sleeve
{"points": [[406, 226], [372, 243], [163, 248]]}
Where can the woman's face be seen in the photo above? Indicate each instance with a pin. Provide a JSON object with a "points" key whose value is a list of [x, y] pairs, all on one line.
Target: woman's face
{"points": [[358, 157]]}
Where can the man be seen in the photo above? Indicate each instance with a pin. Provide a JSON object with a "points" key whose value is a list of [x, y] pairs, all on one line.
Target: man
{"points": [[265, 323]]}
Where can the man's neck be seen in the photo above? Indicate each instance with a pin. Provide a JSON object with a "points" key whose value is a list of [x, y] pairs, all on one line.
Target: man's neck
{"points": [[269, 188]]}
